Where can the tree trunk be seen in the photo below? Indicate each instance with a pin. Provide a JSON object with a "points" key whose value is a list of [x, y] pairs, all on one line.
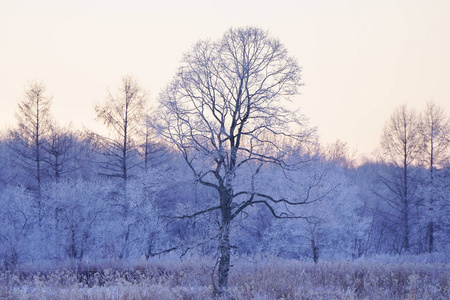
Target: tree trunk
{"points": [[315, 251], [225, 254], [224, 242], [430, 237], [405, 226], [430, 223], [405, 198], [73, 246]]}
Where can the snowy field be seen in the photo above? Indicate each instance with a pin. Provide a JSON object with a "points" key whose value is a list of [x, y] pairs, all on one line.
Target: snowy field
{"points": [[268, 278]]}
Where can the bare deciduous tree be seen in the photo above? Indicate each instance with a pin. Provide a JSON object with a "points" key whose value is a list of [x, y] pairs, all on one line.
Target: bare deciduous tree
{"points": [[434, 151], [152, 151], [33, 118], [62, 151], [123, 115], [339, 154], [224, 112], [400, 143]]}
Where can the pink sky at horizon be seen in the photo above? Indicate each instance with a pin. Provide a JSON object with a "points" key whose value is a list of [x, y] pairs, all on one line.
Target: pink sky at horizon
{"points": [[360, 59]]}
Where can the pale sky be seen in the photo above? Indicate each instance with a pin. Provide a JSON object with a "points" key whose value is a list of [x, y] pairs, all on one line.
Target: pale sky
{"points": [[360, 58]]}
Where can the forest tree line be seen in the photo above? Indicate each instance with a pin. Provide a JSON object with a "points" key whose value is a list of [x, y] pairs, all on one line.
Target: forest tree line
{"points": [[62, 193], [132, 194]]}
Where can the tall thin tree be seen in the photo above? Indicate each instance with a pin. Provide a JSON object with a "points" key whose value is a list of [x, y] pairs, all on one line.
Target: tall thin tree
{"points": [[33, 120], [400, 144], [123, 114], [433, 152]]}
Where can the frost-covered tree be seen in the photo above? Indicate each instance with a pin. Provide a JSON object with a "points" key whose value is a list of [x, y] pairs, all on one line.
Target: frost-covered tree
{"points": [[79, 216], [148, 229], [400, 145], [8, 169], [62, 150], [33, 120], [152, 151], [224, 111], [332, 226], [434, 153], [338, 153], [123, 114], [17, 219]]}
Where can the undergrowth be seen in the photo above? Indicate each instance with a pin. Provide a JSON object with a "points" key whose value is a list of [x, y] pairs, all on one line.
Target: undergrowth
{"points": [[249, 279]]}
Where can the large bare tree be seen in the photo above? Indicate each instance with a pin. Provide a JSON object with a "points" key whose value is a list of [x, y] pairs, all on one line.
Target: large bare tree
{"points": [[226, 112]]}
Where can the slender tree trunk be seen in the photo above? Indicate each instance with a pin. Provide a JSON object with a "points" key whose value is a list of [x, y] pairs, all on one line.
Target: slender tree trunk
{"points": [[146, 148], [430, 237], [315, 251], [406, 226], [124, 252], [405, 198], [405, 220], [73, 248], [126, 212], [430, 223], [38, 161], [430, 229], [124, 153]]}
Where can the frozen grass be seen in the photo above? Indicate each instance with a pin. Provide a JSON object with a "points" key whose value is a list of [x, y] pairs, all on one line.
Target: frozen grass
{"points": [[256, 279]]}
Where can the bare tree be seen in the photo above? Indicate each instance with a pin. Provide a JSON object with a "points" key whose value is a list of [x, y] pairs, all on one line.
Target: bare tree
{"points": [[339, 153], [123, 115], [152, 151], [434, 152], [62, 151], [224, 112], [400, 143], [33, 118]]}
